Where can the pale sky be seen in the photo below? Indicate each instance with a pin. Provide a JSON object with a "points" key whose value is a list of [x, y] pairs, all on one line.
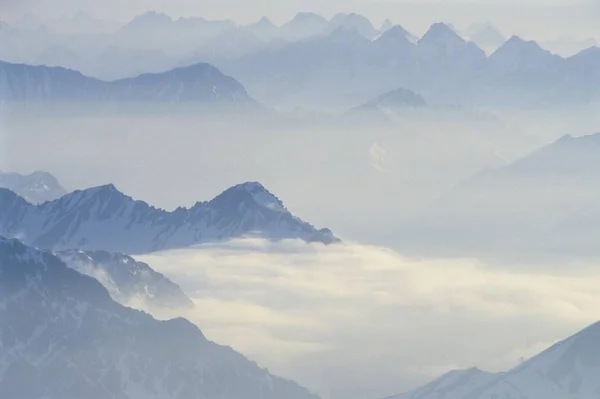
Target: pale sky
{"points": [[578, 17]]}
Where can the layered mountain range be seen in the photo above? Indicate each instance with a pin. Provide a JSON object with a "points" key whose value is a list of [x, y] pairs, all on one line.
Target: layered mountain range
{"points": [[103, 218], [199, 83], [345, 67], [309, 61], [63, 337]]}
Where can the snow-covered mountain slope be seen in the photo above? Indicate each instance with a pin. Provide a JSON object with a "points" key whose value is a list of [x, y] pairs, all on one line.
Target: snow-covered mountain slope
{"points": [[201, 83], [63, 337], [128, 281], [102, 218], [568, 370], [35, 188]]}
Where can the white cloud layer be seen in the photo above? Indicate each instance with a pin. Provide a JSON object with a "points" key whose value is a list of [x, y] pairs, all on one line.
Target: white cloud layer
{"points": [[352, 321]]}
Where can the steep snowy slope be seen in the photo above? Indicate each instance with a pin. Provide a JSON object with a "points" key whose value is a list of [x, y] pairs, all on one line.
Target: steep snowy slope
{"points": [[128, 281], [63, 337], [103, 218], [35, 188]]}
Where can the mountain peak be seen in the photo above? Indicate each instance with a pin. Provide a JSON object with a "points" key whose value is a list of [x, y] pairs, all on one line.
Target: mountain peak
{"points": [[265, 21], [518, 44], [354, 21], [308, 17], [387, 25], [150, 19], [106, 188], [35, 188], [256, 192], [565, 139], [441, 32], [396, 34], [518, 50], [101, 193]]}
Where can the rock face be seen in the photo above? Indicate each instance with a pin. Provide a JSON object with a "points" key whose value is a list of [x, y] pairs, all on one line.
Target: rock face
{"points": [[63, 337], [199, 83], [128, 281], [103, 218], [35, 188], [568, 370]]}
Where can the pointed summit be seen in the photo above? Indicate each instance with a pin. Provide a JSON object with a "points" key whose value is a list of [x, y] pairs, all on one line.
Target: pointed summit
{"points": [[441, 33], [396, 35], [442, 42], [486, 36], [518, 44], [265, 21], [520, 53], [249, 193], [387, 25]]}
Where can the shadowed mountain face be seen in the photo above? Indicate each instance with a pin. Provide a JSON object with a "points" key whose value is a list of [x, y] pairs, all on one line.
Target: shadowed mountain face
{"points": [[35, 188], [103, 218], [128, 281], [567, 370], [63, 337], [200, 83]]}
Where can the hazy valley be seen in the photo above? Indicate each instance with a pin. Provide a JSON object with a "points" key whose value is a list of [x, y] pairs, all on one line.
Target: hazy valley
{"points": [[356, 206]]}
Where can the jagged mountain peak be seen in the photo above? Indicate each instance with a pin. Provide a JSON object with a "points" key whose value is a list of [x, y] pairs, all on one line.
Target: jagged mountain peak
{"points": [[35, 188], [265, 22], [387, 25], [441, 32], [106, 190], [254, 191], [150, 19], [396, 34], [516, 46], [103, 218]]}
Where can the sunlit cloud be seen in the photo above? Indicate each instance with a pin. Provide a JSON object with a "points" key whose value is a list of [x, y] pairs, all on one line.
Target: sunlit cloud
{"points": [[368, 320]]}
